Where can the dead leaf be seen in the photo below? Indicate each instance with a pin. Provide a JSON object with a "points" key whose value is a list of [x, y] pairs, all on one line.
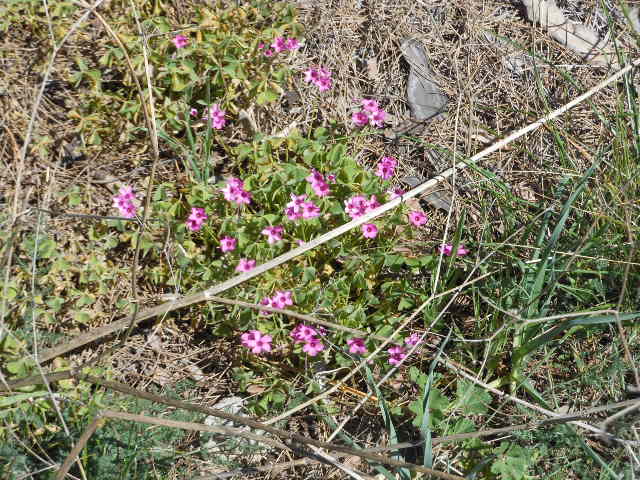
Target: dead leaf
{"points": [[372, 68]]}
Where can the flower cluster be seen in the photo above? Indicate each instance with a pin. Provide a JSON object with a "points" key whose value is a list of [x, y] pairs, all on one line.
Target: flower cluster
{"points": [[320, 77], [299, 208], [256, 341], [318, 183], [281, 299], [180, 41], [280, 44], [196, 219], [216, 116], [310, 337], [447, 249], [386, 168], [235, 192], [413, 339], [274, 234], [124, 202], [358, 205], [370, 114]]}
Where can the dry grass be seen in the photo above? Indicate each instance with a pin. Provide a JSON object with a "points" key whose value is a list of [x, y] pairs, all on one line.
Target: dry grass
{"points": [[358, 40]]}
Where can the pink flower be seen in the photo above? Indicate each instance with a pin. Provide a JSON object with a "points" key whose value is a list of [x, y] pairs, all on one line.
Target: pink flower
{"points": [[256, 341], [180, 41], [377, 117], [360, 118], [126, 192], [274, 234], [314, 176], [293, 209], [283, 297], [268, 53], [196, 219], [369, 230], [292, 43], [234, 191], [313, 347], [216, 116], [311, 75], [193, 112], [320, 188], [331, 178], [386, 167], [447, 249], [357, 346], [372, 204], [310, 210], [303, 333], [245, 265], [396, 355], [228, 244], [320, 77], [267, 302], [279, 44], [235, 183], [394, 193], [369, 105], [413, 339], [356, 206], [124, 202], [417, 218], [261, 45]]}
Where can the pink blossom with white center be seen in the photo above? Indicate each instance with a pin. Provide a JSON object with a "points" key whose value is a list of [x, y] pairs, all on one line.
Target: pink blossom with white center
{"points": [[313, 347], [228, 244], [294, 209], [216, 116], [180, 41], [413, 339], [357, 346], [360, 118], [274, 234], [417, 218], [369, 230], [310, 210], [256, 341], [394, 193], [303, 333], [245, 265], [396, 355]]}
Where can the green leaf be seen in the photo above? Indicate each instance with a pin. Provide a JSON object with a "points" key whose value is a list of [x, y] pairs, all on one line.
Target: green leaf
{"points": [[471, 399], [267, 96], [513, 461]]}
